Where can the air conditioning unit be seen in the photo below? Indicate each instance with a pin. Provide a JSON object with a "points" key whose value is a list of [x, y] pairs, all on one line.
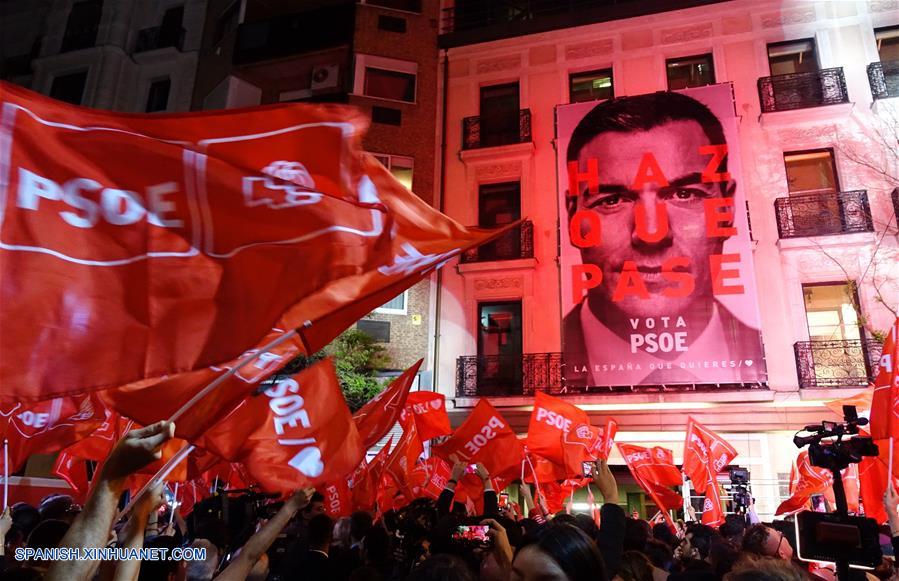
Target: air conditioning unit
{"points": [[325, 77]]}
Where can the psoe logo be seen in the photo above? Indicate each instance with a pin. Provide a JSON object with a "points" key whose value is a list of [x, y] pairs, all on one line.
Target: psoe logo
{"points": [[285, 184]]}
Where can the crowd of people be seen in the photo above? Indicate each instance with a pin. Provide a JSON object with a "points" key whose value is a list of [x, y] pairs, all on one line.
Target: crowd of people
{"points": [[426, 540]]}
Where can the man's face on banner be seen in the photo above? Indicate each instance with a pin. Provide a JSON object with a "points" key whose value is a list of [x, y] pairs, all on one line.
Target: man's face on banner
{"points": [[675, 146]]}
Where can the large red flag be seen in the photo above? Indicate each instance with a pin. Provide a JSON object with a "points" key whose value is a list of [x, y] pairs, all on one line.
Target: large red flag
{"points": [[158, 399], [131, 250], [48, 426], [73, 470], [485, 437], [338, 498], [297, 433], [655, 472], [705, 455], [885, 403], [402, 459], [428, 410], [375, 418], [808, 480], [551, 420], [367, 476]]}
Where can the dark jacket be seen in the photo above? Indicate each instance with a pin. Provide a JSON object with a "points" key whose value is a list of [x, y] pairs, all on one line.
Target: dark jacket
{"points": [[611, 536]]}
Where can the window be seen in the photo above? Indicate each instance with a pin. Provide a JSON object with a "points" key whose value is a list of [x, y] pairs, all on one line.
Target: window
{"points": [[82, 25], [395, 306], [498, 205], [811, 172], [499, 114], [158, 96], [795, 56], [386, 116], [690, 71], [887, 43], [391, 23], [400, 166], [69, 88], [385, 78], [499, 346], [590, 86], [830, 312], [377, 330]]}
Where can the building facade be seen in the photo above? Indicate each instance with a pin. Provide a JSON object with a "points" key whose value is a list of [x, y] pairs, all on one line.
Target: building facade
{"points": [[813, 87], [135, 57], [378, 55]]}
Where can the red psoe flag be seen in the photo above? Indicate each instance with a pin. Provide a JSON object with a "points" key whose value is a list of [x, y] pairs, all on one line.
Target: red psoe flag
{"points": [[428, 410], [338, 499], [485, 437], [131, 251], [375, 418], [402, 459], [295, 434], [885, 402], [806, 480], [551, 421], [705, 455], [73, 470], [655, 472]]}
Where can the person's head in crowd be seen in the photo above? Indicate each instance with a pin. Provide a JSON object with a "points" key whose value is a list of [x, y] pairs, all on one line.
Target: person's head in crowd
{"points": [[25, 516], [360, 524], [160, 570], [661, 532], [58, 507], [562, 552], [341, 535], [47, 534], [316, 506], [442, 567], [203, 570], [635, 566], [215, 530], [722, 556], [660, 554], [700, 537], [733, 528], [320, 529], [636, 533], [765, 541], [259, 572], [376, 547], [756, 568]]}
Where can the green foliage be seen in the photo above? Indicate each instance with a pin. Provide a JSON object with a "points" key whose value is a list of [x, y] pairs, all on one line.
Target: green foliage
{"points": [[356, 358]]}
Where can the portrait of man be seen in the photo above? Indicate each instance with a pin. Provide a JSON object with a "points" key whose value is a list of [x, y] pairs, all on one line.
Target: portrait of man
{"points": [[650, 205]]}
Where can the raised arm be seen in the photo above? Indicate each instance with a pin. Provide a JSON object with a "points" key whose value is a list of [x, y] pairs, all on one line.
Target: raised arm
{"points": [[134, 532], [260, 542], [90, 529]]}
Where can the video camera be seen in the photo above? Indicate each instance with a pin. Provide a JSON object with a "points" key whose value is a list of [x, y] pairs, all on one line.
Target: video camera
{"points": [[739, 490], [848, 541]]}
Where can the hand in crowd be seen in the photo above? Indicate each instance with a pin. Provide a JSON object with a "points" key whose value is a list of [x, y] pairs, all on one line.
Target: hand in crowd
{"points": [[137, 449], [604, 479], [501, 547], [891, 505]]}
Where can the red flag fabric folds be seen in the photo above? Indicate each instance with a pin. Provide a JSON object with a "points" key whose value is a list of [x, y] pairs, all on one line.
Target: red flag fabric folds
{"points": [[551, 420], [485, 437], [131, 251], [297, 433], [885, 402], [705, 455], [428, 410], [374, 419], [805, 481], [655, 472]]}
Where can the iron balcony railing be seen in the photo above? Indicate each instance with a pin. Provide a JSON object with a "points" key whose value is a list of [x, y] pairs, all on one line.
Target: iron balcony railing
{"points": [[843, 363], [159, 37], [516, 243], [802, 90], [884, 79], [479, 131], [823, 213], [508, 375]]}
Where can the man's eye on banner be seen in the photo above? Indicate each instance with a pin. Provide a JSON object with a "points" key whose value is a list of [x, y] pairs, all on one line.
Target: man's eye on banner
{"points": [[657, 277]]}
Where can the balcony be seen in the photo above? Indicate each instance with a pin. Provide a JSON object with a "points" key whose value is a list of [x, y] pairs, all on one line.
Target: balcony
{"points": [[508, 375], [289, 35], [823, 213], [803, 90], [844, 363], [158, 37], [884, 79], [514, 244], [478, 133]]}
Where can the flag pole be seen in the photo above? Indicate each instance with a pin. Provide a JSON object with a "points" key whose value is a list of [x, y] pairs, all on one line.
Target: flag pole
{"points": [[158, 477], [174, 504], [237, 367], [890, 463], [6, 473]]}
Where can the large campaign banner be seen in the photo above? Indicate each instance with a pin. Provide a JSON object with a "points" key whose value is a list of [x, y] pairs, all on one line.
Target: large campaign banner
{"points": [[656, 262]]}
